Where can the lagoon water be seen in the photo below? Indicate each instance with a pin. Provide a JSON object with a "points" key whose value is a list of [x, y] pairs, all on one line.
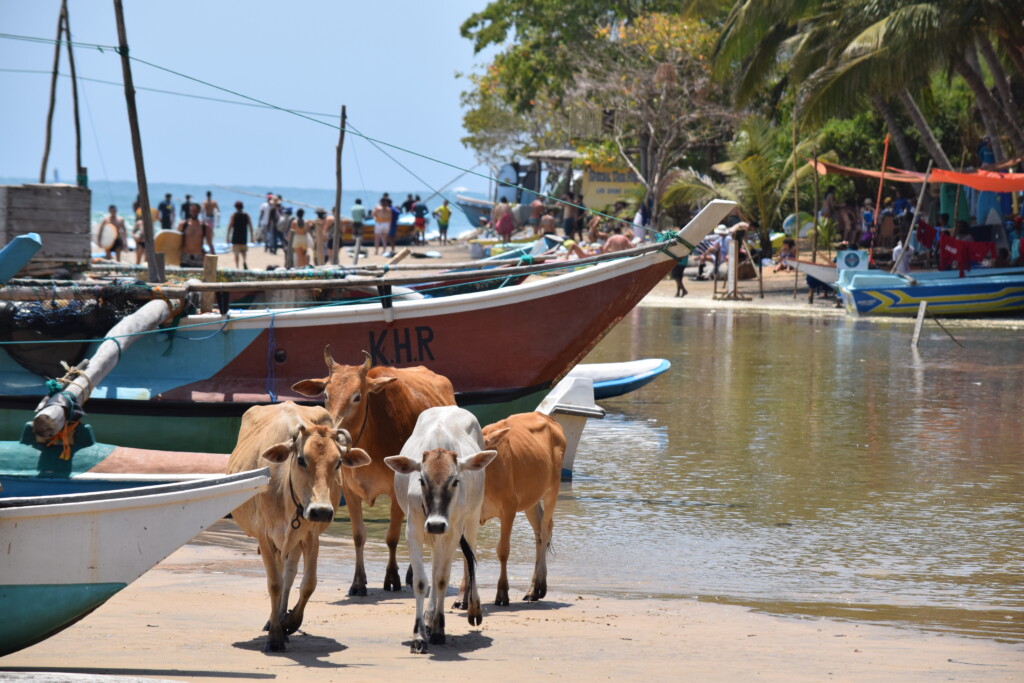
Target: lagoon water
{"points": [[798, 465]]}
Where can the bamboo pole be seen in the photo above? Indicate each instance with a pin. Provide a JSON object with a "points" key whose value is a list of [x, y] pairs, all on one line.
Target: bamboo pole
{"points": [[814, 248], [49, 420], [959, 189], [155, 275], [913, 220], [336, 237], [53, 91], [81, 174], [796, 212]]}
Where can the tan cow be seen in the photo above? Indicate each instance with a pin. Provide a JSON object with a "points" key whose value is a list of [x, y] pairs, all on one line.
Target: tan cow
{"points": [[379, 406], [306, 453], [523, 478]]}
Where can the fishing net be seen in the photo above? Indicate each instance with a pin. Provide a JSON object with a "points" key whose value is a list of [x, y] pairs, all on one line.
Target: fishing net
{"points": [[40, 332]]}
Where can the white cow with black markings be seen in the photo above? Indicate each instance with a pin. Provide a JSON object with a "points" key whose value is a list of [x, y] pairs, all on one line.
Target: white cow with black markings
{"points": [[439, 484]]}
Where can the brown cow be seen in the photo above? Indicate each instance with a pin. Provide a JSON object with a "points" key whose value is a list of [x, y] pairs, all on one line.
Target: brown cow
{"points": [[379, 406], [307, 453], [524, 477]]}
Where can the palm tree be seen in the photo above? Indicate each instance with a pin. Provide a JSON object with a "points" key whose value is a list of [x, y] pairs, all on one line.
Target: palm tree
{"points": [[758, 176]]}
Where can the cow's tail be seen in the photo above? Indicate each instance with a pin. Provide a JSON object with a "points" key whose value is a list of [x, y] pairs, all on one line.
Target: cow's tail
{"points": [[467, 552]]}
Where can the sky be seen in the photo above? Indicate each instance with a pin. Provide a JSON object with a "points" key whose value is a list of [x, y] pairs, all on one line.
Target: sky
{"points": [[393, 64]]}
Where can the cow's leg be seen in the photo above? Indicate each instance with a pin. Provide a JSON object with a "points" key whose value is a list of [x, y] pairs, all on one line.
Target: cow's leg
{"points": [[507, 518], [290, 567], [419, 588], [541, 518], [355, 513], [460, 599], [441, 556], [473, 611], [392, 581], [272, 564], [310, 552]]}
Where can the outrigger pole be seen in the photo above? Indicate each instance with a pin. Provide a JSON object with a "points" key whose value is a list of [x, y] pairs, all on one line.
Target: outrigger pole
{"points": [[156, 270]]}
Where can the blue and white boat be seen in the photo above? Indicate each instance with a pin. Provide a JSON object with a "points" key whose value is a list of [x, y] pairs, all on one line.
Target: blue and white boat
{"points": [[982, 291], [64, 556], [615, 379]]}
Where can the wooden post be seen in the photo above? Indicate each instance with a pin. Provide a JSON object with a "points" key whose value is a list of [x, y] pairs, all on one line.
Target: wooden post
{"points": [[53, 90], [81, 174], [209, 275], [48, 421], [913, 220], [796, 211], [921, 312], [817, 205], [133, 123], [337, 189]]}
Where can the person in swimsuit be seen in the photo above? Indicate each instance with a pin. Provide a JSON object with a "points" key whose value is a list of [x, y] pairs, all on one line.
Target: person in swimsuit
{"points": [[241, 234], [121, 241], [211, 212], [195, 234], [298, 235], [381, 225]]}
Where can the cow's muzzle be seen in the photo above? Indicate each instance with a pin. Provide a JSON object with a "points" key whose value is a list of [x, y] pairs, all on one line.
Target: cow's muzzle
{"points": [[436, 525], [320, 513]]}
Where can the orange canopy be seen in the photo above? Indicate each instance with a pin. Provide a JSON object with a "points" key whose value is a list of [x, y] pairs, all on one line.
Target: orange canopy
{"points": [[825, 167], [986, 181]]}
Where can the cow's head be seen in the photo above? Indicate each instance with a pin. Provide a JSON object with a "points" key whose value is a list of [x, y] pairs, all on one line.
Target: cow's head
{"points": [[315, 455], [439, 480], [346, 390]]}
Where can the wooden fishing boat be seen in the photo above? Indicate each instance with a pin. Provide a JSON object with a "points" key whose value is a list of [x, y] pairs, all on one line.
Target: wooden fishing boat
{"points": [[64, 556], [983, 291], [185, 386], [615, 379]]}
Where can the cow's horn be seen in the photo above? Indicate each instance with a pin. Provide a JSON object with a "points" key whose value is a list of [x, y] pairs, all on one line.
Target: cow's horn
{"points": [[367, 363], [344, 432], [327, 357]]}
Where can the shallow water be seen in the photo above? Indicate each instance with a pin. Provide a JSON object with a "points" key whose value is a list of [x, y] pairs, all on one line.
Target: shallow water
{"points": [[802, 466]]}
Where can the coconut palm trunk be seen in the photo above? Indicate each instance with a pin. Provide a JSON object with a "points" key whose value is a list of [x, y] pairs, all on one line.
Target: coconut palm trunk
{"points": [[985, 100], [893, 126], [927, 136]]}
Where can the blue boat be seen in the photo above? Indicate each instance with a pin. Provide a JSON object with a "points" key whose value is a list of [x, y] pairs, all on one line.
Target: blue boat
{"points": [[982, 291]]}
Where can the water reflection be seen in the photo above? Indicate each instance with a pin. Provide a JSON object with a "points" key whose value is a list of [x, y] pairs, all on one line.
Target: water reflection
{"points": [[800, 466]]}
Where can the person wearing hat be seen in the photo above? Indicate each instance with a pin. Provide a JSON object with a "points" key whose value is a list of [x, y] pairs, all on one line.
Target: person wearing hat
{"points": [[240, 227], [716, 253]]}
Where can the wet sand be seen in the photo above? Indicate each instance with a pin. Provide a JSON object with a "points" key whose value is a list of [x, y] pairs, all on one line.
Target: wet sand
{"points": [[197, 616]]}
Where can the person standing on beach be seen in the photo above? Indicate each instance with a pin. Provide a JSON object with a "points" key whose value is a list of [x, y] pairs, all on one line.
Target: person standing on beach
{"points": [[186, 207], [166, 209], [536, 211], [501, 220], [241, 230], [121, 241], [381, 225], [408, 204], [420, 211], [358, 213], [393, 228], [569, 214], [298, 236], [548, 224], [264, 223], [443, 214], [139, 233], [211, 212], [194, 235], [329, 234]]}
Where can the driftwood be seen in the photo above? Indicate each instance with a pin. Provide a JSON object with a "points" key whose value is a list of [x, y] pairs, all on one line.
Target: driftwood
{"points": [[49, 420]]}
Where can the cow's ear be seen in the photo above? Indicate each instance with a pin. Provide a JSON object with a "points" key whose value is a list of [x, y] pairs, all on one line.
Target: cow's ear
{"points": [[402, 464], [378, 383], [494, 438], [477, 461], [356, 457], [310, 387], [279, 452]]}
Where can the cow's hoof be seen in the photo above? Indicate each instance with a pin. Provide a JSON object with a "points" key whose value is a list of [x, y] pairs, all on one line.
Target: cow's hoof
{"points": [[357, 591], [290, 624], [501, 600], [459, 604], [274, 646], [418, 647], [476, 619], [437, 638], [266, 626], [392, 583], [408, 576]]}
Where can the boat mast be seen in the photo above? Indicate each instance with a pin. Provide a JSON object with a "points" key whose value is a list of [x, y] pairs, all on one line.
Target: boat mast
{"points": [[82, 174], [336, 232], [156, 271]]}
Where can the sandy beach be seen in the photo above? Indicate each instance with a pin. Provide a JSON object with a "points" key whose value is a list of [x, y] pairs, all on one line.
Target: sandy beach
{"points": [[197, 615]]}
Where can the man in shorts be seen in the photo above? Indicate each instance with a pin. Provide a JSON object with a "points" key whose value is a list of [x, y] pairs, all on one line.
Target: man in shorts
{"points": [[211, 212], [241, 231], [358, 213], [166, 209], [443, 214], [419, 221], [381, 225], [536, 211], [121, 241], [194, 235]]}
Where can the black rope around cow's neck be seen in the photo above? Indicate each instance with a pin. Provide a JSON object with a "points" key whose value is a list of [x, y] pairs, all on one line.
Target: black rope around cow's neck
{"points": [[297, 520]]}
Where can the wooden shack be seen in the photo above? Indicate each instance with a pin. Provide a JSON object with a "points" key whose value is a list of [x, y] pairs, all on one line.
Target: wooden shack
{"points": [[60, 214]]}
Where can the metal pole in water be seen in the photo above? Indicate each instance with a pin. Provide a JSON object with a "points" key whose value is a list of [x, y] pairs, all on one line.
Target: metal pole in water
{"points": [[921, 312]]}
